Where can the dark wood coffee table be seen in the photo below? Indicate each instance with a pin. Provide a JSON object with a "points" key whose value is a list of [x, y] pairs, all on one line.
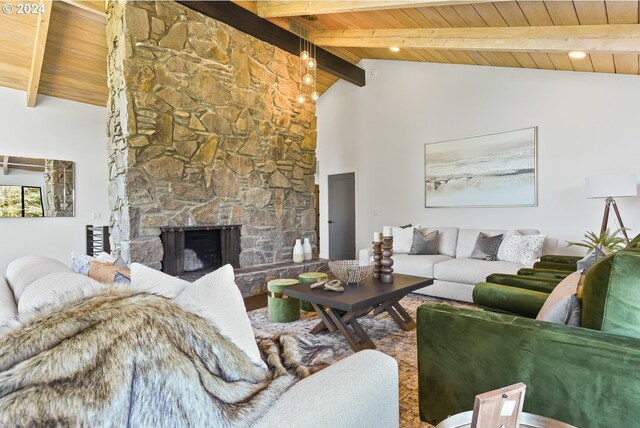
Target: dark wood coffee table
{"points": [[339, 311]]}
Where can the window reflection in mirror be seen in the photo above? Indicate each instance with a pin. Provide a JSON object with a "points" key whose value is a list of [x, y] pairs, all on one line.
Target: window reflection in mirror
{"points": [[31, 187]]}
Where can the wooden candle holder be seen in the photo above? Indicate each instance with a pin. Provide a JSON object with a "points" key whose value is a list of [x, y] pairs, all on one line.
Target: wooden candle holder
{"points": [[377, 256], [386, 274]]}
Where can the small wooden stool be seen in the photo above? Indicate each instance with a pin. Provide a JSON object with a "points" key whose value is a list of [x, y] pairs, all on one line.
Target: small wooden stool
{"points": [[282, 308], [310, 278]]}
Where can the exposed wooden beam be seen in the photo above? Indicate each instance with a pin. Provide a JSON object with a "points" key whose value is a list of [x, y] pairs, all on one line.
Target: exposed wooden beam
{"points": [[273, 9], [37, 56], [97, 7], [260, 28], [622, 38], [5, 165]]}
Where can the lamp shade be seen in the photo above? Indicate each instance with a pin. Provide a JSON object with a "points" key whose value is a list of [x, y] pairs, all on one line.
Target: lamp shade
{"points": [[614, 185]]}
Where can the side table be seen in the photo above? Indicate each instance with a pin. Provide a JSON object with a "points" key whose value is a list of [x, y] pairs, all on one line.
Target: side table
{"points": [[527, 420]]}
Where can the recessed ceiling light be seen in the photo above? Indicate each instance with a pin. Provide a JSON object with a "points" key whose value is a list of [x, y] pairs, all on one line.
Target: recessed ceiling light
{"points": [[394, 49], [577, 55]]}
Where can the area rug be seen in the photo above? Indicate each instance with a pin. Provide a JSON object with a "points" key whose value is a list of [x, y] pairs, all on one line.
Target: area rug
{"points": [[388, 338]]}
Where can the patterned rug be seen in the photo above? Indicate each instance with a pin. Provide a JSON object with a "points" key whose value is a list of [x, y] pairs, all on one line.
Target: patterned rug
{"points": [[385, 334]]}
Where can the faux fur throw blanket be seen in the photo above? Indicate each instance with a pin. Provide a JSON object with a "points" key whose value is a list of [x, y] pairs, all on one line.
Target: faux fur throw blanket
{"points": [[121, 359]]}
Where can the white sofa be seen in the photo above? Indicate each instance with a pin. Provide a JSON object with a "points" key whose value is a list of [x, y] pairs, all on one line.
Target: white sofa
{"points": [[368, 378], [454, 272]]}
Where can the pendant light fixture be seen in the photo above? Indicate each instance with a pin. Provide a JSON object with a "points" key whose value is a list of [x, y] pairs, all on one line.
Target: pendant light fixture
{"points": [[308, 68]]}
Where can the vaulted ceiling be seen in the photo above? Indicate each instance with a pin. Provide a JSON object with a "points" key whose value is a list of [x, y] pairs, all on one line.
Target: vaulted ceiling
{"points": [[64, 55]]}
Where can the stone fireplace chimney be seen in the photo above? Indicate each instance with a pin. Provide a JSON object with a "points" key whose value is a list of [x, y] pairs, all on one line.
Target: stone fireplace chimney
{"points": [[204, 129]]}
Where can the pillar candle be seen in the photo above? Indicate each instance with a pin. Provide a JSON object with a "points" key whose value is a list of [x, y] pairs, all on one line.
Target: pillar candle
{"points": [[387, 231], [377, 237]]}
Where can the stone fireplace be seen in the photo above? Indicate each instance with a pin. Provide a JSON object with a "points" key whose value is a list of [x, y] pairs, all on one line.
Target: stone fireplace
{"points": [[204, 129], [199, 248]]}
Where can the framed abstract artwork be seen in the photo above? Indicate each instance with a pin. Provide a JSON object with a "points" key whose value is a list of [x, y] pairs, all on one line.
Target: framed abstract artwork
{"points": [[485, 171]]}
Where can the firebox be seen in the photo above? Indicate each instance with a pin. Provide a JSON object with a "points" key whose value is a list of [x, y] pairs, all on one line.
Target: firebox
{"points": [[199, 248]]}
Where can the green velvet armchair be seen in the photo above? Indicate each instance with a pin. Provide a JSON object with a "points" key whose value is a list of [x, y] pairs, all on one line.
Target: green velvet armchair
{"points": [[586, 376]]}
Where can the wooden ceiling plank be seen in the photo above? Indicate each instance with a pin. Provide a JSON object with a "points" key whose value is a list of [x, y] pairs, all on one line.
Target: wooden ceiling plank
{"points": [[490, 15], [591, 12], [271, 9], [512, 14], [562, 12], [470, 15], [452, 17], [524, 59], [582, 64], [542, 60], [477, 57], [420, 19], [624, 38], [38, 53], [432, 15], [626, 63], [508, 59], [622, 12], [561, 61], [95, 7], [536, 13], [603, 63]]}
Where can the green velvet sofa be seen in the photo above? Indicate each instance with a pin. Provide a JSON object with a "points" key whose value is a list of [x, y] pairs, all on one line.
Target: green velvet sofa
{"points": [[586, 376]]}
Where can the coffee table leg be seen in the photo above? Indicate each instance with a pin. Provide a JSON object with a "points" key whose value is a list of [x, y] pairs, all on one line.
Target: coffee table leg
{"points": [[401, 317], [325, 324], [358, 341]]}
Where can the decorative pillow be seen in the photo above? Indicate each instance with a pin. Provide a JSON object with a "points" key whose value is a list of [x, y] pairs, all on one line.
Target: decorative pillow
{"points": [[108, 273], [149, 280], [25, 270], [80, 263], [523, 249], [424, 244], [215, 297], [8, 308], [486, 247], [403, 239], [501, 251], [562, 306], [55, 288], [590, 259]]}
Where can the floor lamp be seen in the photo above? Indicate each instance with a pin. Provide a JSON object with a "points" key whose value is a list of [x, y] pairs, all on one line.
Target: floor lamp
{"points": [[608, 187]]}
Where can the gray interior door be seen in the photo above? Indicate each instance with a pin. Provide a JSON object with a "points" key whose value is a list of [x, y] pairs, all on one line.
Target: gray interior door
{"points": [[342, 216]]}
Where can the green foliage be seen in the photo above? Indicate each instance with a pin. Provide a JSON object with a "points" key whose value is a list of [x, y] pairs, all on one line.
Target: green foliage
{"points": [[607, 241]]}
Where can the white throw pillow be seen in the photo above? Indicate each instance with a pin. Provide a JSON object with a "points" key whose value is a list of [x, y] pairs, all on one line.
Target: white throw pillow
{"points": [[403, 239], [502, 250], [523, 249], [25, 270], [55, 288], [215, 297], [149, 280], [8, 308]]}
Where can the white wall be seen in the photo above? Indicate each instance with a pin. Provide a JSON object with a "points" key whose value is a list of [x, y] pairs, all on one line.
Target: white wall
{"points": [[55, 129], [587, 125]]}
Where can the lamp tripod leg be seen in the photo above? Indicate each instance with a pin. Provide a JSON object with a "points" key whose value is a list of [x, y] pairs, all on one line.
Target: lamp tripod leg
{"points": [[605, 217], [615, 209]]}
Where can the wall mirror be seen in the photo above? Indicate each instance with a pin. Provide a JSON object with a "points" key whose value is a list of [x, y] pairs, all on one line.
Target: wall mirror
{"points": [[31, 187]]}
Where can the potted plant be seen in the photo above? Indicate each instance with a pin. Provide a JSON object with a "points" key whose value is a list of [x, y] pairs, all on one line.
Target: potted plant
{"points": [[606, 242]]}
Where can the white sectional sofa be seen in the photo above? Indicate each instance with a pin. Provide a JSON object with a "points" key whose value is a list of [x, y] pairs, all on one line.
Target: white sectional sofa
{"points": [[454, 272], [369, 378]]}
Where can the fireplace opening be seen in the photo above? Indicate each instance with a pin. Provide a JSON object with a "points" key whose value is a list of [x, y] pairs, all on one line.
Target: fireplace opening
{"points": [[201, 250], [191, 249]]}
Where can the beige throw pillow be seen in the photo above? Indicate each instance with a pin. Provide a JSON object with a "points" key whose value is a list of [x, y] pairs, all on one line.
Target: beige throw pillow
{"points": [[215, 297], [562, 306]]}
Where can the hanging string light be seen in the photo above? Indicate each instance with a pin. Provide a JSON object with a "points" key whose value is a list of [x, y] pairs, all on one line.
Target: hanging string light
{"points": [[308, 69]]}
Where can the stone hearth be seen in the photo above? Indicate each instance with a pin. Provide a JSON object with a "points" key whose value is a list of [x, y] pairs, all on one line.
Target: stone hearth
{"points": [[204, 129]]}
